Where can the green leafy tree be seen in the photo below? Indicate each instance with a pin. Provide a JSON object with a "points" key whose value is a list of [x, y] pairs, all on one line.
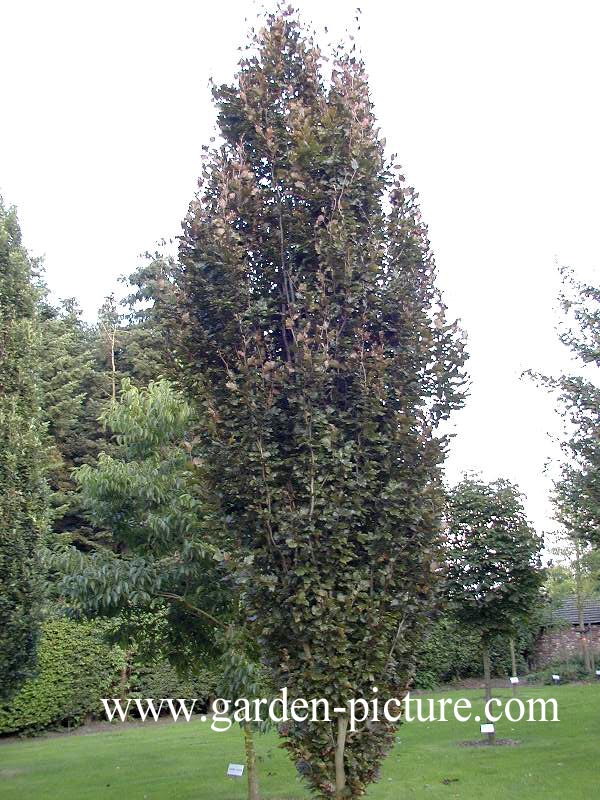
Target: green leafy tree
{"points": [[242, 677], [314, 342], [82, 368], [23, 505], [577, 492], [147, 494], [493, 561]]}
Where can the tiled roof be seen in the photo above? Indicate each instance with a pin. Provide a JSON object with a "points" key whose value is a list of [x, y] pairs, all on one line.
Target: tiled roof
{"points": [[567, 612]]}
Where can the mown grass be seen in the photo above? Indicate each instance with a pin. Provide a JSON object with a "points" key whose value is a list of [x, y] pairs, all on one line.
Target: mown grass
{"points": [[554, 761]]}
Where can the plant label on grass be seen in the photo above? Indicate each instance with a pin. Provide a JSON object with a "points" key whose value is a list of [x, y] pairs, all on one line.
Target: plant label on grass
{"points": [[487, 727], [514, 680], [556, 678], [235, 770]]}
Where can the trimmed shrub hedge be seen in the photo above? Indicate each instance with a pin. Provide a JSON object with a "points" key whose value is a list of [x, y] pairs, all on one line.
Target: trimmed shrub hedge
{"points": [[451, 652], [75, 668], [160, 679]]}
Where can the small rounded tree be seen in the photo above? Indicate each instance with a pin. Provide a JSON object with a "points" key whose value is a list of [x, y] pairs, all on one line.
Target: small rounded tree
{"points": [[493, 561]]}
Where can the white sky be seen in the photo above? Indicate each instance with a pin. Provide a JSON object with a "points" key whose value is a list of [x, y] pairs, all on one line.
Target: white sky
{"points": [[491, 106]]}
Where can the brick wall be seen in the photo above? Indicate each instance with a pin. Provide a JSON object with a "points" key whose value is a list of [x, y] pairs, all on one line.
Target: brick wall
{"points": [[560, 644]]}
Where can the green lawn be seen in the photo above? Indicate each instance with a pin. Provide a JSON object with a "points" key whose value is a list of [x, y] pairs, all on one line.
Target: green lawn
{"points": [[188, 761]]}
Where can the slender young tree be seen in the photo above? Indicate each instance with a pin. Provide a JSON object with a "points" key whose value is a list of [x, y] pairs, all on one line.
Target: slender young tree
{"points": [[146, 493], [314, 342], [109, 322], [493, 561], [23, 509]]}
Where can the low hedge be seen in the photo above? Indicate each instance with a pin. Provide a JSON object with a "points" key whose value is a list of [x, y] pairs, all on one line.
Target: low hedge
{"points": [[160, 679], [75, 668], [450, 652], [570, 671]]}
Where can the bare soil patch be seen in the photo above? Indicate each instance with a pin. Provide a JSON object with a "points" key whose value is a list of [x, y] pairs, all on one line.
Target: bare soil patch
{"points": [[485, 743]]}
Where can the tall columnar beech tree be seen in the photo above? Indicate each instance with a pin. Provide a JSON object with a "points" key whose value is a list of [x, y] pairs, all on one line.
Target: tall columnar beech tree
{"points": [[22, 488], [493, 570], [315, 343]]}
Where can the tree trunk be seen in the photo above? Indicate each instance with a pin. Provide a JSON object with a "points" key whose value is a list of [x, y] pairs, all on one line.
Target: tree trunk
{"points": [[113, 365], [123, 680], [340, 772], [252, 775], [488, 685], [587, 662], [585, 650], [513, 658]]}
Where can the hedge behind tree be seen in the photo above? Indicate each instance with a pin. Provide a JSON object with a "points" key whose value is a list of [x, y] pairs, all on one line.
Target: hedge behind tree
{"points": [[160, 679], [75, 669], [452, 652]]}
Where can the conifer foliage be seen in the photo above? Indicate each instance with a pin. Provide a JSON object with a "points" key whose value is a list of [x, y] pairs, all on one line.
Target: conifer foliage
{"points": [[22, 488], [314, 340]]}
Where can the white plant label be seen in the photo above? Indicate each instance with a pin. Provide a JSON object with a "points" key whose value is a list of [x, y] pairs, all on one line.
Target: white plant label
{"points": [[514, 679], [487, 727], [556, 677], [235, 770]]}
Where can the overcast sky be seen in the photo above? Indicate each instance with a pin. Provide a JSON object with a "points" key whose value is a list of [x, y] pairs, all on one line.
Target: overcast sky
{"points": [[493, 110]]}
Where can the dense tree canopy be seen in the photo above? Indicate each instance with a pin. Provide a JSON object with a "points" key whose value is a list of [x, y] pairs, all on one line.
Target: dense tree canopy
{"points": [[493, 569], [145, 495], [72, 397], [493, 561], [314, 343]]}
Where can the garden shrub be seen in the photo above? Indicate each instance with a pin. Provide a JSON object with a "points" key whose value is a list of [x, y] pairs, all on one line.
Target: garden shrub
{"points": [[160, 679], [571, 670], [75, 669], [451, 652]]}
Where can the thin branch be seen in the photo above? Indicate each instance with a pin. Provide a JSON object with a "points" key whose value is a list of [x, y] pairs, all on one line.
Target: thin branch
{"points": [[198, 611]]}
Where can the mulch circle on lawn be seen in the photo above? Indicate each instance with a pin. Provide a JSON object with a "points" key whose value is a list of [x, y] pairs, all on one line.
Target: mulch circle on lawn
{"points": [[484, 743]]}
